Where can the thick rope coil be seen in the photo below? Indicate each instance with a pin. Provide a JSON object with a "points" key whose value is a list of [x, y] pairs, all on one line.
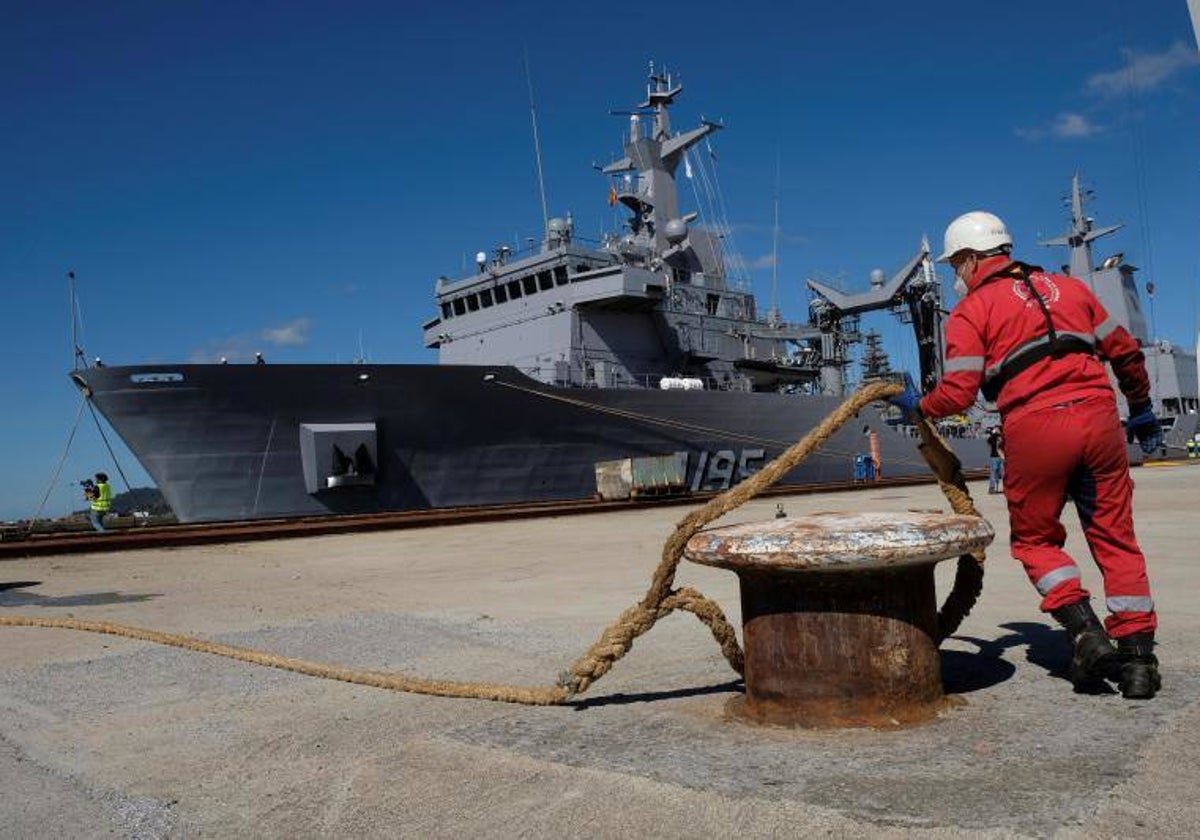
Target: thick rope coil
{"points": [[659, 601]]}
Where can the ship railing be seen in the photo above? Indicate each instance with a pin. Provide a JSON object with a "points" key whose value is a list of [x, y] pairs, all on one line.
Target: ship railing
{"points": [[634, 381], [533, 246], [950, 431]]}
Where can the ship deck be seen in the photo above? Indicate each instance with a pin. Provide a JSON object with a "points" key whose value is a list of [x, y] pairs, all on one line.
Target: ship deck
{"points": [[102, 734]]}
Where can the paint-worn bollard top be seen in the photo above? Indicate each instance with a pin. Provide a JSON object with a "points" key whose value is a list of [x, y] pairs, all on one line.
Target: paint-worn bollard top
{"points": [[840, 542]]}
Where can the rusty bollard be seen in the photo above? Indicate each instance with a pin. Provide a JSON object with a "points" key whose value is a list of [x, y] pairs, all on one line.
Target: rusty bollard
{"points": [[839, 614]]}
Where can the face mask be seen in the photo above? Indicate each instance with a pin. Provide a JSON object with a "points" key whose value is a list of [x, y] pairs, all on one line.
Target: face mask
{"points": [[960, 282]]}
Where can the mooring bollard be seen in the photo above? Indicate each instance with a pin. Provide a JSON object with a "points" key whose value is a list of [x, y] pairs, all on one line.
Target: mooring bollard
{"points": [[839, 614]]}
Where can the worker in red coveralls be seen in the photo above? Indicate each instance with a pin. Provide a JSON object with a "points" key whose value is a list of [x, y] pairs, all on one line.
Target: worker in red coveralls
{"points": [[1036, 343]]}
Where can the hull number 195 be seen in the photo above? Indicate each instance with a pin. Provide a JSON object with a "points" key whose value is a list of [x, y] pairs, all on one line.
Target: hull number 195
{"points": [[723, 468]]}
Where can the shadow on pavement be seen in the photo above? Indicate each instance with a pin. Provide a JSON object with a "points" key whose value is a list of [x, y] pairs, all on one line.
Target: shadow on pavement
{"points": [[733, 686], [18, 584], [10, 598], [964, 672], [1046, 647]]}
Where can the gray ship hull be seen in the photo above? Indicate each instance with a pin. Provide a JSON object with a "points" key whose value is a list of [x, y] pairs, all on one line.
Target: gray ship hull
{"points": [[234, 442]]}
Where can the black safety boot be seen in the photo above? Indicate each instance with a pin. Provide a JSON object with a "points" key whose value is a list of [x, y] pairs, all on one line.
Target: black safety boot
{"points": [[1137, 667], [1092, 652]]}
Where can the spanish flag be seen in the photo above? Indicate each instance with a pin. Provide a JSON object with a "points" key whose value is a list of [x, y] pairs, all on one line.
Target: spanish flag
{"points": [[612, 195]]}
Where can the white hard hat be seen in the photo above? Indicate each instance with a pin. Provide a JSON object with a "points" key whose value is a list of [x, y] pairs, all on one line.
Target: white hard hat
{"points": [[976, 231]]}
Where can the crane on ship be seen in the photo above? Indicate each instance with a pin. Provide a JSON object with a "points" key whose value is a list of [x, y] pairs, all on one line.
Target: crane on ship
{"points": [[913, 294]]}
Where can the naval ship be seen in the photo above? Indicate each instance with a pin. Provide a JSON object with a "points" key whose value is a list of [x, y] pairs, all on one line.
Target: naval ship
{"points": [[551, 361]]}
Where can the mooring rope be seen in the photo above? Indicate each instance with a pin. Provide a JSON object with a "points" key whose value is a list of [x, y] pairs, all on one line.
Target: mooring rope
{"points": [[58, 468], [107, 445], [659, 601]]}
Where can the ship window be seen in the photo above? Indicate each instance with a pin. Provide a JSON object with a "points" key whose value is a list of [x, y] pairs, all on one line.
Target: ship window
{"points": [[545, 280], [485, 297], [530, 284], [501, 295], [579, 269], [460, 308], [560, 274], [447, 311], [713, 302], [514, 289], [473, 303]]}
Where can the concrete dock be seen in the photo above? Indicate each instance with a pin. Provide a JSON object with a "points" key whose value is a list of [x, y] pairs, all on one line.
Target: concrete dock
{"points": [[107, 736]]}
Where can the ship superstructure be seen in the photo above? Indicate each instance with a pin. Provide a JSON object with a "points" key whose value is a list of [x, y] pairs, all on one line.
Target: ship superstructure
{"points": [[1174, 390], [655, 302], [649, 303]]}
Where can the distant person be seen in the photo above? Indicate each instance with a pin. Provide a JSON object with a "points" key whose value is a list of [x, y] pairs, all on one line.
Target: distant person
{"points": [[995, 442], [876, 453], [1037, 344], [259, 360], [100, 496]]}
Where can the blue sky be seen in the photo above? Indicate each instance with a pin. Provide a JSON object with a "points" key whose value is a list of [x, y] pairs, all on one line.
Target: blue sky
{"points": [[285, 177]]}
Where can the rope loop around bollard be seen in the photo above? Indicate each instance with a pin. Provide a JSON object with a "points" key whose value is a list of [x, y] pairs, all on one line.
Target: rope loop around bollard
{"points": [[659, 601], [632, 623]]}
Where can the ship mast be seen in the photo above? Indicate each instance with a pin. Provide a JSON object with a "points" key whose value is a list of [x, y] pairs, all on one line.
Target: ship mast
{"points": [[1081, 235], [537, 153], [773, 317], [654, 199], [1194, 13], [79, 359]]}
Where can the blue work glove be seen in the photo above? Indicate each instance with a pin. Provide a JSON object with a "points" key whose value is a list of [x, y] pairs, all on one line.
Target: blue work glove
{"points": [[909, 401], [1143, 425]]}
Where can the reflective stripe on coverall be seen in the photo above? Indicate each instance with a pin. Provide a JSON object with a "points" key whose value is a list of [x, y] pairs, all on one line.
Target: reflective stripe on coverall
{"points": [[1063, 436], [1077, 451]]}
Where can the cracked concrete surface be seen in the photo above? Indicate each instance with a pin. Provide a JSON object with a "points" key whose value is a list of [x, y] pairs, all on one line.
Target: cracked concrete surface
{"points": [[108, 736]]}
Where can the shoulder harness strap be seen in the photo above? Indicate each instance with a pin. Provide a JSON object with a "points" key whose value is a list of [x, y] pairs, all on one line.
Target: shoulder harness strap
{"points": [[1051, 345]]}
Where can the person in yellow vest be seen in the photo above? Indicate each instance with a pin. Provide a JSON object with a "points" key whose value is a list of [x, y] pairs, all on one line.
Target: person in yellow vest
{"points": [[101, 502]]}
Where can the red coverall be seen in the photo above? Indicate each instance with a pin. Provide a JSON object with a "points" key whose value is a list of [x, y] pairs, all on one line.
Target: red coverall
{"points": [[1063, 436]]}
